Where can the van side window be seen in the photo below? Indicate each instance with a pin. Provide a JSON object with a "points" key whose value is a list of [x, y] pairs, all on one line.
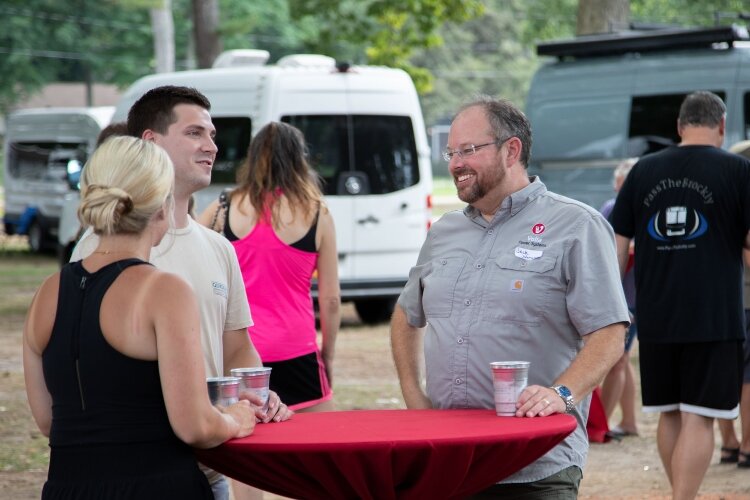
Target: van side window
{"points": [[653, 122], [232, 139], [382, 148]]}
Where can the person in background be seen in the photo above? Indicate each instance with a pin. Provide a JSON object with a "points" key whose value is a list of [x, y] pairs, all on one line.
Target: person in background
{"points": [[732, 449], [112, 130], [688, 209], [520, 274], [619, 384], [284, 236], [112, 360], [178, 120]]}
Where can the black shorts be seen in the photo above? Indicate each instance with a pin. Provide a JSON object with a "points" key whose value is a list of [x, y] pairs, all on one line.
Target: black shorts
{"points": [[300, 382], [704, 378]]}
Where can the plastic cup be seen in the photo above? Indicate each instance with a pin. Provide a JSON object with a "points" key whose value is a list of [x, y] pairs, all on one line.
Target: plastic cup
{"points": [[223, 391], [508, 378], [255, 380]]}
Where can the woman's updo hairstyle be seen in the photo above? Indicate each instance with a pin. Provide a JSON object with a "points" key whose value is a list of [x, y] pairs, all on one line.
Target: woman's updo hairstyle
{"points": [[124, 183]]}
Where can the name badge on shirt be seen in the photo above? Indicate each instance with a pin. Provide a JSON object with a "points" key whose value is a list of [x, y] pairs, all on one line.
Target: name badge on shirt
{"points": [[527, 253]]}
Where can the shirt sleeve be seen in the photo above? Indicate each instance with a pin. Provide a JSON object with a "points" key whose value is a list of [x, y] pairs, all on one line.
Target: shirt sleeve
{"points": [[410, 299], [238, 308], [594, 297]]}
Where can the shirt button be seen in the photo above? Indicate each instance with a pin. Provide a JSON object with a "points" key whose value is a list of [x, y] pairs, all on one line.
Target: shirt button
{"points": [[460, 340], [479, 266], [458, 381], [491, 231], [467, 302], [443, 262], [523, 264]]}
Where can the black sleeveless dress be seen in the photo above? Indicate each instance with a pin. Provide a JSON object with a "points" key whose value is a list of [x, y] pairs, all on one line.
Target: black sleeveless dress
{"points": [[110, 435]]}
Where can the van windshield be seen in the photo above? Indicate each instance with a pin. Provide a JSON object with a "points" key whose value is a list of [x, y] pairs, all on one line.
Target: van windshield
{"points": [[381, 148], [44, 161]]}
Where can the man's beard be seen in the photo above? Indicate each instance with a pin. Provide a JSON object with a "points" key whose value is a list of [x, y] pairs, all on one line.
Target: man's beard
{"points": [[481, 185]]}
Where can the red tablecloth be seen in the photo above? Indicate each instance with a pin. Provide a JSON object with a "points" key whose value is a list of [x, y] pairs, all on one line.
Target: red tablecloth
{"points": [[387, 453]]}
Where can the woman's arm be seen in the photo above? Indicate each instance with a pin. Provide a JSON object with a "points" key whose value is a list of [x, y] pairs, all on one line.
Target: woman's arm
{"points": [[173, 308], [329, 294], [36, 334]]}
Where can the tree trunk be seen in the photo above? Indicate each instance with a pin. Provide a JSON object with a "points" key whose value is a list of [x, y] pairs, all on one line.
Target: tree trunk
{"points": [[602, 16], [162, 25], [206, 31]]}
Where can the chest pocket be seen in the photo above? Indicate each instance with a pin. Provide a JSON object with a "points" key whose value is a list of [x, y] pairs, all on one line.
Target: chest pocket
{"points": [[439, 286], [519, 291]]}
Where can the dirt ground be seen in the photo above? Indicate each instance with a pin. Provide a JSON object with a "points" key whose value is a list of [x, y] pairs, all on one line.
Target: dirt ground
{"points": [[365, 378]]}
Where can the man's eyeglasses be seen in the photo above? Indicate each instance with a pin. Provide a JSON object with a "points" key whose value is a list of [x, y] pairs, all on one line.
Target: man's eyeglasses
{"points": [[471, 149]]}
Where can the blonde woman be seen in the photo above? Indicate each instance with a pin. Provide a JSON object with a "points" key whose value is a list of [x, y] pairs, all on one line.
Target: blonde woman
{"points": [[112, 357]]}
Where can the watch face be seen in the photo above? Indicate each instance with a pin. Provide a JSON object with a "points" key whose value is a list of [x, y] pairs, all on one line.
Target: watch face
{"points": [[564, 391]]}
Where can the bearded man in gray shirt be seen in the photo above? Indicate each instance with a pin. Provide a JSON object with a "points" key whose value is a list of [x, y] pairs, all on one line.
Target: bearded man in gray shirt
{"points": [[520, 274]]}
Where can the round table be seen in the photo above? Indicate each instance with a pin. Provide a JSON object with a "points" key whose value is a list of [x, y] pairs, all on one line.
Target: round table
{"points": [[387, 454]]}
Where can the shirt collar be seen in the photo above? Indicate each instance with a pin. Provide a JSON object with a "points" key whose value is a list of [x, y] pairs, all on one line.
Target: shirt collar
{"points": [[515, 202]]}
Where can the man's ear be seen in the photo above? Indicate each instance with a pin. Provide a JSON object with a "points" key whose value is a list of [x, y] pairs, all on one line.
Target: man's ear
{"points": [[148, 135], [514, 148]]}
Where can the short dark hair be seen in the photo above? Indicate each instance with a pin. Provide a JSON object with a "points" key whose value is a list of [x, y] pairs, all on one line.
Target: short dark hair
{"points": [[113, 129], [702, 109], [155, 109], [506, 121]]}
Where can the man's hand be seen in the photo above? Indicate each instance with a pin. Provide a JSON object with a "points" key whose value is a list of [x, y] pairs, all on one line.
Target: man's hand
{"points": [[277, 411], [538, 401]]}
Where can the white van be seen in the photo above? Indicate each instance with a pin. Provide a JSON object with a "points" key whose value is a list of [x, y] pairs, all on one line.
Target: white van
{"points": [[605, 98], [45, 149], [366, 137]]}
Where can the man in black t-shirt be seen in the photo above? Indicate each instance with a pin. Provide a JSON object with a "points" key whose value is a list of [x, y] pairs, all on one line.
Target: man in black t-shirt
{"points": [[688, 208]]}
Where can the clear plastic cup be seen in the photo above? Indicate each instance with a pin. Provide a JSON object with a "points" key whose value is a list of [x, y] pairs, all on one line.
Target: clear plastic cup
{"points": [[508, 378]]}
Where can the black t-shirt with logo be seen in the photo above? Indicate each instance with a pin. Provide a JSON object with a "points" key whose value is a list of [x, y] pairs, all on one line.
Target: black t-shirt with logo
{"points": [[688, 209]]}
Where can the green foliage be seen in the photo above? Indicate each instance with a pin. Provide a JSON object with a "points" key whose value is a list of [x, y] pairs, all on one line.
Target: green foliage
{"points": [[389, 31], [484, 55], [47, 40], [451, 48]]}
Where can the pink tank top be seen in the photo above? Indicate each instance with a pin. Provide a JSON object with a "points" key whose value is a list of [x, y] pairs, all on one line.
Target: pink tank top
{"points": [[277, 279]]}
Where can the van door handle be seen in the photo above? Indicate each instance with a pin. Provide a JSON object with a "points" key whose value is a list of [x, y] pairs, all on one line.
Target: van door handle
{"points": [[369, 219]]}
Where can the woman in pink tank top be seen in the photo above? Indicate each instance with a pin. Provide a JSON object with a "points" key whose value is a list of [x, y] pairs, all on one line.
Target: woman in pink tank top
{"points": [[284, 237]]}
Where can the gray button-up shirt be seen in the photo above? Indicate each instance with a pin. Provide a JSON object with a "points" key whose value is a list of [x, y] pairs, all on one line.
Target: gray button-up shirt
{"points": [[525, 286]]}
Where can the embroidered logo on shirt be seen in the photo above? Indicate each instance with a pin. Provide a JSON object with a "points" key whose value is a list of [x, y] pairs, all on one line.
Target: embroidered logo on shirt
{"points": [[538, 228], [219, 289], [527, 253], [516, 286]]}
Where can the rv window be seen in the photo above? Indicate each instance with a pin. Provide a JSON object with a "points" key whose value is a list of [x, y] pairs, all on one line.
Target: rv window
{"points": [[653, 122], [232, 139], [43, 161], [381, 147]]}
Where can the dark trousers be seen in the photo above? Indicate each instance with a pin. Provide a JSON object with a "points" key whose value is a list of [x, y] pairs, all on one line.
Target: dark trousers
{"points": [[560, 486]]}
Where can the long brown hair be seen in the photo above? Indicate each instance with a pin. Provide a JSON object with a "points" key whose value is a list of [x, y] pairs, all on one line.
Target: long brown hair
{"points": [[276, 164]]}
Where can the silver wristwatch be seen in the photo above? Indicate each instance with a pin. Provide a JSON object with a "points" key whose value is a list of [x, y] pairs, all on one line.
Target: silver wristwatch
{"points": [[566, 396]]}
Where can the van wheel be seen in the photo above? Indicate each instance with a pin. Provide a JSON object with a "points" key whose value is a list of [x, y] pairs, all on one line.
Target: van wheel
{"points": [[36, 237], [374, 311]]}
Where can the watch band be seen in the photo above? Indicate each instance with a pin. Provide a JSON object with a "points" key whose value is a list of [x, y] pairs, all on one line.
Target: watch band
{"points": [[567, 397]]}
